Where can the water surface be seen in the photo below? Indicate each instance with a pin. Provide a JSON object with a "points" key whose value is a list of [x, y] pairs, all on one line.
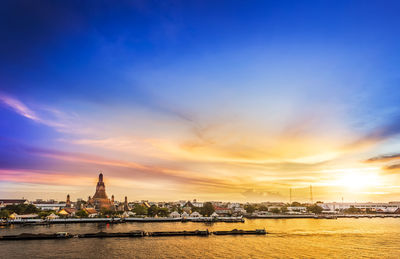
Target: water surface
{"points": [[287, 238]]}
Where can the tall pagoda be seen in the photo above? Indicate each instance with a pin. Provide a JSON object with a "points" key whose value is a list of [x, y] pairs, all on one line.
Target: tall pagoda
{"points": [[100, 199]]}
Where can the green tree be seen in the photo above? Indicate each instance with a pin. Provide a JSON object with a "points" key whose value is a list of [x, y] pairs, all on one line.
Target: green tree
{"points": [[263, 208], [22, 209], [82, 214], [163, 212], [275, 210], [352, 210], [107, 212], [152, 211], [295, 204], [44, 213], [284, 209], [207, 209], [4, 214], [139, 209], [315, 209], [250, 208], [176, 208]]}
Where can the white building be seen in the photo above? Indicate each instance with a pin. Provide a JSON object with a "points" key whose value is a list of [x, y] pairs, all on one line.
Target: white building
{"points": [[49, 206], [297, 209], [234, 205], [195, 215], [390, 207], [175, 214]]}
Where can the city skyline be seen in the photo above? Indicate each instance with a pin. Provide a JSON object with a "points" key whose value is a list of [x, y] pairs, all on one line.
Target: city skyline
{"points": [[227, 101]]}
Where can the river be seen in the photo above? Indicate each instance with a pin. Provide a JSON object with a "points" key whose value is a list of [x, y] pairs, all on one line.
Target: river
{"points": [[286, 238]]}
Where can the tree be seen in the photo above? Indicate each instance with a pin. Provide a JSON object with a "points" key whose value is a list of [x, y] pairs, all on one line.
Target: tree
{"points": [[275, 210], [315, 209], [82, 214], [139, 209], [22, 209], [152, 211], [163, 212], [284, 209], [4, 214], [207, 209], [176, 208], [250, 208], [263, 208], [44, 213], [295, 204], [352, 210], [107, 212]]}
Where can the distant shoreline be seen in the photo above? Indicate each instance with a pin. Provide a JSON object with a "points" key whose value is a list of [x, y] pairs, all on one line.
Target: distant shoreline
{"points": [[196, 220]]}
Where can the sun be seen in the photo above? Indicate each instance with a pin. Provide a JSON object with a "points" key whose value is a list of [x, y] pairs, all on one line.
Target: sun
{"points": [[358, 179]]}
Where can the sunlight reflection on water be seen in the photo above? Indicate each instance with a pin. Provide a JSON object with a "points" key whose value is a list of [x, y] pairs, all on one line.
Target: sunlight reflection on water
{"points": [[287, 238]]}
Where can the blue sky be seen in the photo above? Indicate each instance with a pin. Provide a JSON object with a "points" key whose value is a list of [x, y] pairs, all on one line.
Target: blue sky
{"points": [[228, 100]]}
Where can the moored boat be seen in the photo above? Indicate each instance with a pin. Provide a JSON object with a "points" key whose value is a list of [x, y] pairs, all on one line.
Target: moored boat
{"points": [[101, 234], [180, 233], [29, 236], [241, 232]]}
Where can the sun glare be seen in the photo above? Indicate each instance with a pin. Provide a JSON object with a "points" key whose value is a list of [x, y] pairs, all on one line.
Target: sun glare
{"points": [[356, 180]]}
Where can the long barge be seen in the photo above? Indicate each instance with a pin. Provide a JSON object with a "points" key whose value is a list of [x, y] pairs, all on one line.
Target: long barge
{"points": [[241, 232], [101, 234], [40, 236], [179, 233], [138, 233]]}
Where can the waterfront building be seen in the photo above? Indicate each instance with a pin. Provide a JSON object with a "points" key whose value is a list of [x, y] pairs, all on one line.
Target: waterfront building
{"points": [[174, 214], [222, 211], [67, 212], [50, 206], [25, 216], [91, 212], [297, 209], [52, 216], [214, 215], [391, 207], [195, 215], [100, 199], [5, 202], [197, 204]]}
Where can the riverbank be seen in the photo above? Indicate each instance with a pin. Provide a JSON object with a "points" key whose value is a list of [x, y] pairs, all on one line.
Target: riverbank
{"points": [[122, 220], [189, 219], [322, 216]]}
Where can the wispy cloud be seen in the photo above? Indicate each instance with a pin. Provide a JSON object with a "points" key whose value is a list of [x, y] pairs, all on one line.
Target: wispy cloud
{"points": [[18, 107], [384, 158]]}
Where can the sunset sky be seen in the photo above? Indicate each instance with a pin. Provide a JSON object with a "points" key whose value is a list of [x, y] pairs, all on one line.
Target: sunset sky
{"points": [[214, 100]]}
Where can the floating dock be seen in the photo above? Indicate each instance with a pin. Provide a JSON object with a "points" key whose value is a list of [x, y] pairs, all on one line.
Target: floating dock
{"points": [[137, 233]]}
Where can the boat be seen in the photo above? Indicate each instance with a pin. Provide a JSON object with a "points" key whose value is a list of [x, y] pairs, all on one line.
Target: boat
{"points": [[326, 217], [180, 233], [102, 234], [241, 232], [29, 236]]}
